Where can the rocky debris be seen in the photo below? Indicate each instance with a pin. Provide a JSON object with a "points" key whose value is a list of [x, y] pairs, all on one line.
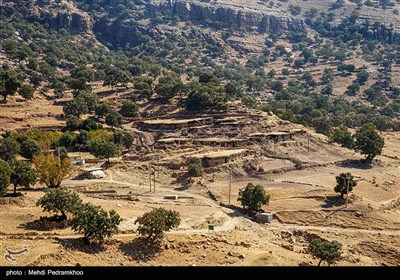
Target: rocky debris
{"points": [[359, 214], [289, 247], [244, 244]]}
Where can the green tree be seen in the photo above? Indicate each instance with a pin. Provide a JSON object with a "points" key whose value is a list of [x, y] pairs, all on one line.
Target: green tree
{"points": [[271, 73], [129, 109], [116, 76], [76, 107], [327, 76], [9, 82], [26, 91], [51, 169], [61, 152], [342, 136], [194, 168], [143, 89], [89, 99], [353, 88], [231, 90], [294, 9], [253, 197], [89, 125], [114, 119], [362, 76], [368, 142], [67, 140], [29, 148], [206, 96], [103, 149], [325, 250], [60, 200], [153, 224], [72, 123], [343, 181], [249, 101], [5, 173], [123, 138], [285, 72], [328, 89], [22, 174], [95, 223], [169, 86], [9, 148], [102, 110]]}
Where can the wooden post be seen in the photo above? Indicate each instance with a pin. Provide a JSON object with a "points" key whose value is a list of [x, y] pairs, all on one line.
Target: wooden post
{"points": [[158, 168], [347, 195], [230, 186], [154, 181], [150, 180]]}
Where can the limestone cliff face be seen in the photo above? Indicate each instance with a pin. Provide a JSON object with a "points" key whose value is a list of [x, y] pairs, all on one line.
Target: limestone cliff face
{"points": [[227, 17], [382, 34], [74, 22], [119, 32]]}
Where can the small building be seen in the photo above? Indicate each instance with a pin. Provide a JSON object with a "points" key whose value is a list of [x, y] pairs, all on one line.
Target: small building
{"points": [[279, 136], [169, 141], [94, 173], [212, 159], [172, 124], [221, 142], [78, 161], [263, 218]]}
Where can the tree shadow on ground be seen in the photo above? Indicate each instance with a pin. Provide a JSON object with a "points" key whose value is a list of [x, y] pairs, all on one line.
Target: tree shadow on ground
{"points": [[45, 224], [333, 201], [79, 177], [355, 163], [181, 188], [77, 244], [141, 249], [183, 179]]}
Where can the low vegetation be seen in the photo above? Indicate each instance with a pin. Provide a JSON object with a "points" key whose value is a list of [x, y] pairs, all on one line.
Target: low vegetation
{"points": [[60, 200], [153, 224], [344, 182], [51, 169], [253, 197], [329, 252], [95, 223]]}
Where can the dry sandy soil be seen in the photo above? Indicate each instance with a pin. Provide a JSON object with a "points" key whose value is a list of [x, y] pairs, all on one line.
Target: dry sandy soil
{"points": [[303, 203]]}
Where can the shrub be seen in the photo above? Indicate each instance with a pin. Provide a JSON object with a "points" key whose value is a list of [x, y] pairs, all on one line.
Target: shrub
{"points": [[153, 224], [61, 201], [95, 223]]}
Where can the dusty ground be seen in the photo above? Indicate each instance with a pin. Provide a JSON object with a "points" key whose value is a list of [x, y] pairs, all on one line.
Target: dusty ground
{"points": [[303, 202]]}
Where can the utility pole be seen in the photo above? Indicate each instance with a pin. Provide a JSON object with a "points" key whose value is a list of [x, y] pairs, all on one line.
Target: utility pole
{"points": [[230, 186], [150, 179], [347, 195], [154, 181], [158, 167]]}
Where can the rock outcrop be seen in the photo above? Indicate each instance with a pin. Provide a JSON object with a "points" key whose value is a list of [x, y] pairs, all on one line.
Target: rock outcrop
{"points": [[73, 22], [226, 16]]}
